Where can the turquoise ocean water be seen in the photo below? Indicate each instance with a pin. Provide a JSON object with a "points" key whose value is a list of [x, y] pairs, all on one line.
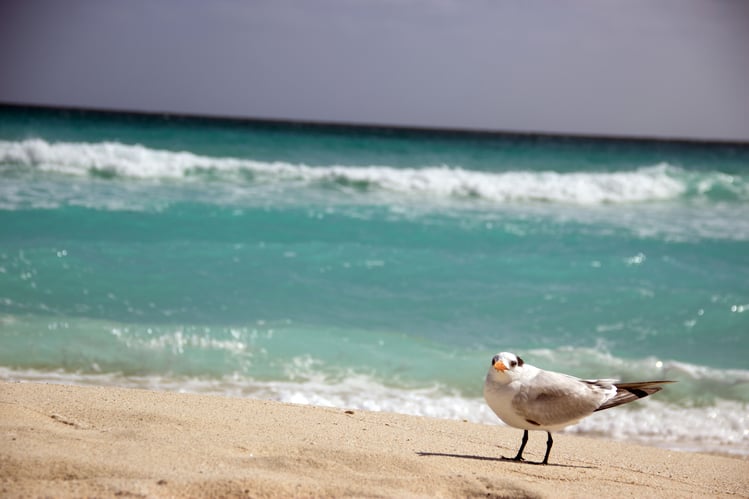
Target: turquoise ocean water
{"points": [[376, 269]]}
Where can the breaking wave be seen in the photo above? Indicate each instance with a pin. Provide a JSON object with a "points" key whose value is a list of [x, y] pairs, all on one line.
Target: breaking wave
{"points": [[113, 160]]}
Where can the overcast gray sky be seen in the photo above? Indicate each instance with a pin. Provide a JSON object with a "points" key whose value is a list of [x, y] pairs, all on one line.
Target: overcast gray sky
{"points": [[669, 68]]}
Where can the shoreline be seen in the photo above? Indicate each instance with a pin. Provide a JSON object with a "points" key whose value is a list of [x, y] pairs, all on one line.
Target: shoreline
{"points": [[72, 441]]}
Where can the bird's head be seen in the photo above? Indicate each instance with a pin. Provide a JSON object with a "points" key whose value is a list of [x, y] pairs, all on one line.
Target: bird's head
{"points": [[505, 365]]}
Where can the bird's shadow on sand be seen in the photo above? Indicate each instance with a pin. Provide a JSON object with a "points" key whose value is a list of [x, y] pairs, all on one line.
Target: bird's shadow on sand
{"points": [[500, 459]]}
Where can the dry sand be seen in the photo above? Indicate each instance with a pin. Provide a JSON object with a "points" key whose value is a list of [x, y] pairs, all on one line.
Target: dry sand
{"points": [[71, 441]]}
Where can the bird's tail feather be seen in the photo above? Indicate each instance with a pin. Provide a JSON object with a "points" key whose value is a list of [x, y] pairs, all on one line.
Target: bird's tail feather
{"points": [[628, 392]]}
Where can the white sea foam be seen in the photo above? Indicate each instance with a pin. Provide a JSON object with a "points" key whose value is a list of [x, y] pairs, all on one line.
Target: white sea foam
{"points": [[662, 201], [110, 159], [719, 427]]}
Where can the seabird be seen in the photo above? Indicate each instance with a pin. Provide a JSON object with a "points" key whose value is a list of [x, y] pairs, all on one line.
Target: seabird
{"points": [[529, 398]]}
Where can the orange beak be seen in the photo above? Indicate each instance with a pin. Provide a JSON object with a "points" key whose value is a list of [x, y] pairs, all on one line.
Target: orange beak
{"points": [[500, 366]]}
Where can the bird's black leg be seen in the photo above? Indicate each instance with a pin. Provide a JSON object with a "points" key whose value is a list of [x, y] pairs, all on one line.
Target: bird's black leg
{"points": [[519, 457], [549, 443]]}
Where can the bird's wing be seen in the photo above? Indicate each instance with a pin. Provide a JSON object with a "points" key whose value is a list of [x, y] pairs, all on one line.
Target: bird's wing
{"points": [[551, 398], [628, 392]]}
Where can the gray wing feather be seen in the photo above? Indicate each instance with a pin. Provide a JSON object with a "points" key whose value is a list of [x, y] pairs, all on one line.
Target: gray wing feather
{"points": [[555, 398], [629, 392]]}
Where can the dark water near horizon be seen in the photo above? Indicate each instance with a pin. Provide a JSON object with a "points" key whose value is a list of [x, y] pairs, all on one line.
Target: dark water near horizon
{"points": [[375, 269]]}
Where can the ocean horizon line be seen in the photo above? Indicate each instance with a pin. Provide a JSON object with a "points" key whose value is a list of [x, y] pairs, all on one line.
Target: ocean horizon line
{"points": [[379, 128]]}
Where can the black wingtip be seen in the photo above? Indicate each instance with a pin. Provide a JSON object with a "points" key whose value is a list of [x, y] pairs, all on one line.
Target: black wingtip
{"points": [[629, 392], [642, 393]]}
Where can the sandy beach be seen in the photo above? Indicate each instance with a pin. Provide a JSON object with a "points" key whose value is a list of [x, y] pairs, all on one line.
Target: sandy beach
{"points": [[72, 441]]}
